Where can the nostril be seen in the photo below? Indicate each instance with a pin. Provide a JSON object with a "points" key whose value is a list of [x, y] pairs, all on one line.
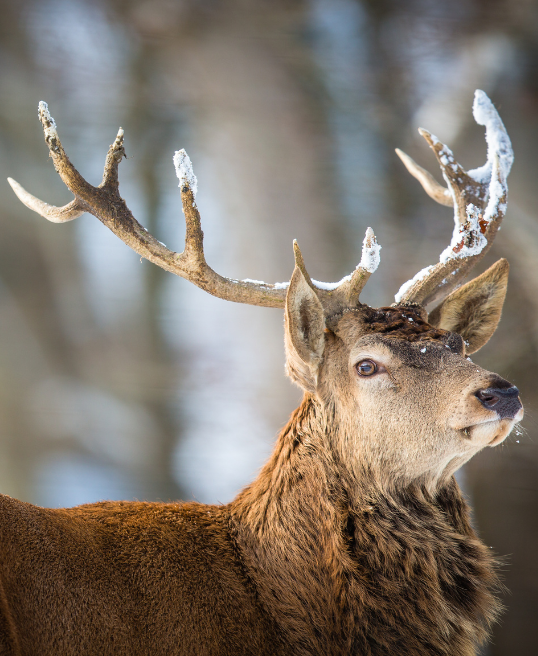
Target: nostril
{"points": [[491, 396], [488, 397]]}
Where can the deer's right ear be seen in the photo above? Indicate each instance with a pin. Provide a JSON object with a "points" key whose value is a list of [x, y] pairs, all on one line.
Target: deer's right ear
{"points": [[304, 333], [474, 310]]}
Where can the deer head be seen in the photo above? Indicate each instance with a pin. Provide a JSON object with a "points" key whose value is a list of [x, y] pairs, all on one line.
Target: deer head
{"points": [[402, 396]]}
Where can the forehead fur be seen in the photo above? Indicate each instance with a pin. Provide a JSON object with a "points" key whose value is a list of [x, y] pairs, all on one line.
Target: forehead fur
{"points": [[400, 323], [405, 324]]}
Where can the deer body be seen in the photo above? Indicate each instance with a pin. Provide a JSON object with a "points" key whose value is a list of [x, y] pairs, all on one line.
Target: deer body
{"points": [[125, 578], [296, 567], [354, 539]]}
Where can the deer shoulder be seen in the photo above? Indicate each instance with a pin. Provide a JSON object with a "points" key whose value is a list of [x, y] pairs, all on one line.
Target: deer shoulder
{"points": [[354, 538]]}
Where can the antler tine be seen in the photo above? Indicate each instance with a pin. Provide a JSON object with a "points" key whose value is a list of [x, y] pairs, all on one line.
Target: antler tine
{"points": [[430, 185], [345, 293], [105, 203], [354, 284], [55, 214], [479, 199]]}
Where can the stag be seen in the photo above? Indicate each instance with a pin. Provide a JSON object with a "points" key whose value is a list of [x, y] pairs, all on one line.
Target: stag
{"points": [[354, 538]]}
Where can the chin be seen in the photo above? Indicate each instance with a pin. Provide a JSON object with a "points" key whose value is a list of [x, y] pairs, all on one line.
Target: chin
{"points": [[492, 433]]}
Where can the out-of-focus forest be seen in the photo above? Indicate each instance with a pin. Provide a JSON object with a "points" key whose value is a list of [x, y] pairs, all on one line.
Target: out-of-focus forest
{"points": [[118, 380]]}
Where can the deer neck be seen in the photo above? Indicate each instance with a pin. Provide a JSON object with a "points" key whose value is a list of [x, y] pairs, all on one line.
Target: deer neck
{"points": [[326, 550]]}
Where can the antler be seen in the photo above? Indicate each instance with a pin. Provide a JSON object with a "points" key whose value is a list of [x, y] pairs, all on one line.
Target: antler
{"points": [[108, 206], [479, 200]]}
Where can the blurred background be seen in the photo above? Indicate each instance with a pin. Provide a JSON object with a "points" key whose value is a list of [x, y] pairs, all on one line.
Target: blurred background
{"points": [[119, 381]]}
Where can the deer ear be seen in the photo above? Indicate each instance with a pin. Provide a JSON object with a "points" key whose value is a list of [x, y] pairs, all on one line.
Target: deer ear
{"points": [[474, 310], [304, 332]]}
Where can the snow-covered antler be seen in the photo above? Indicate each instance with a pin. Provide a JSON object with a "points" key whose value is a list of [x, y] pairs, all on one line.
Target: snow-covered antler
{"points": [[108, 206], [479, 200]]}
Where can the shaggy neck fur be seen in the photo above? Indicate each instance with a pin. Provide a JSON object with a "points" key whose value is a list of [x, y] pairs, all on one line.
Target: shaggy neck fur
{"points": [[345, 568]]}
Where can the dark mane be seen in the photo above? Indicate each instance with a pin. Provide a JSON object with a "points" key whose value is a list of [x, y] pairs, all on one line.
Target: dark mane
{"points": [[402, 323]]}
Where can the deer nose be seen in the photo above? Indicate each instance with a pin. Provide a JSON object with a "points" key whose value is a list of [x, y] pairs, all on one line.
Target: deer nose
{"points": [[505, 401]]}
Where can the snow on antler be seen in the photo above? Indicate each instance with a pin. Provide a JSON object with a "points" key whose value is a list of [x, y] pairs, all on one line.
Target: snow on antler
{"points": [[479, 199], [184, 171]]}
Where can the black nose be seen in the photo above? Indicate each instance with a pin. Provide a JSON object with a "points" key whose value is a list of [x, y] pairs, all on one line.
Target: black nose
{"points": [[505, 401]]}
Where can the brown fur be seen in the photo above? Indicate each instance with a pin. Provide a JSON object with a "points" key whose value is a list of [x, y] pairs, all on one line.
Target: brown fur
{"points": [[127, 578], [345, 568], [353, 540], [304, 561]]}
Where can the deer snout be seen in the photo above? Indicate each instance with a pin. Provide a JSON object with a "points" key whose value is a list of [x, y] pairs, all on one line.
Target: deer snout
{"points": [[503, 400]]}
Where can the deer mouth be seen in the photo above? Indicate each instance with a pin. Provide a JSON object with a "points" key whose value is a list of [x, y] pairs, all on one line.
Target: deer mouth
{"points": [[494, 431]]}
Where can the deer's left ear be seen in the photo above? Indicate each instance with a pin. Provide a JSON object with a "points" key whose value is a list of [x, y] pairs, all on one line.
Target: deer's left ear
{"points": [[305, 325], [474, 310]]}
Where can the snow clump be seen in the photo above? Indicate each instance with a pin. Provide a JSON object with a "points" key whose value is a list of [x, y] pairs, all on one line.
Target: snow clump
{"points": [[370, 252], [184, 171], [498, 141]]}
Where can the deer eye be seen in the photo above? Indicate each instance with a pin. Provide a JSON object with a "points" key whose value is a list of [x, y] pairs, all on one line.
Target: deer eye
{"points": [[366, 368]]}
